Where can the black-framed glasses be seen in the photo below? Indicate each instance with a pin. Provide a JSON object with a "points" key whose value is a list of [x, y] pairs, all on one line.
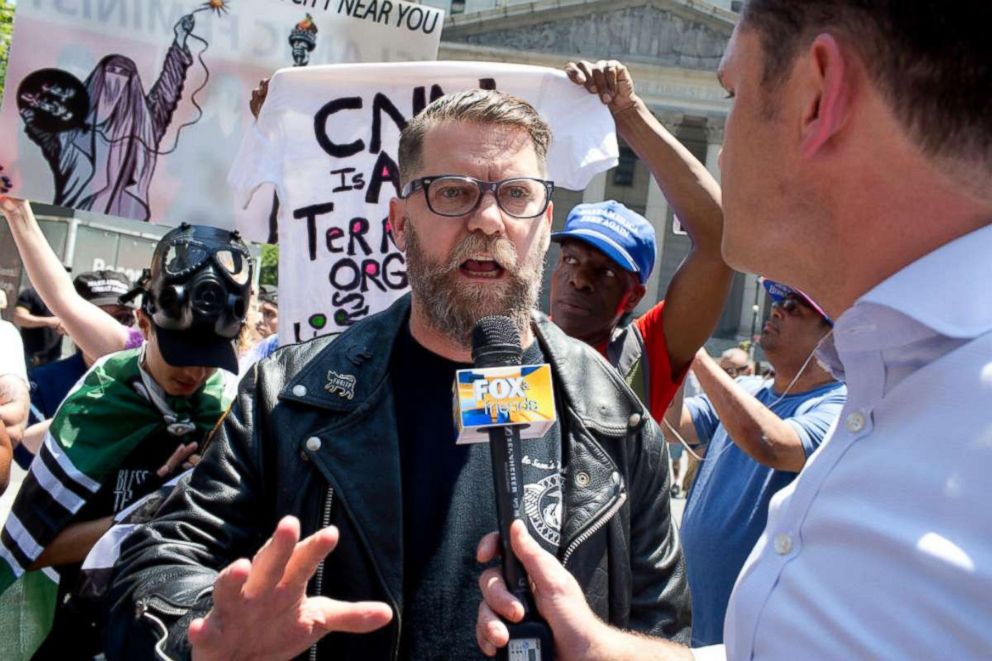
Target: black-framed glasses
{"points": [[455, 195]]}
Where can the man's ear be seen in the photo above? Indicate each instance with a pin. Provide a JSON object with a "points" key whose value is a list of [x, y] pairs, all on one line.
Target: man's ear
{"points": [[144, 323], [397, 221], [829, 93], [634, 296]]}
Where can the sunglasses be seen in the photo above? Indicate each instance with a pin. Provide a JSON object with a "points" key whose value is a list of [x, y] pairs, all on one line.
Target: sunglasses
{"points": [[790, 305]]}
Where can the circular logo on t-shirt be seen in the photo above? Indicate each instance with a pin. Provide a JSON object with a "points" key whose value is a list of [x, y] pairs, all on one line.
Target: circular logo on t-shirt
{"points": [[542, 503]]}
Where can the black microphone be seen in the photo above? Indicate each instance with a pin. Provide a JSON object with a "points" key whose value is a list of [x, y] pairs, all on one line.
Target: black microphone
{"points": [[496, 343]]}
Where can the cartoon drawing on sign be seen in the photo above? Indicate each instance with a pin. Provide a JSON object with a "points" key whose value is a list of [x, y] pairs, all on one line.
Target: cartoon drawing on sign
{"points": [[303, 39], [101, 138]]}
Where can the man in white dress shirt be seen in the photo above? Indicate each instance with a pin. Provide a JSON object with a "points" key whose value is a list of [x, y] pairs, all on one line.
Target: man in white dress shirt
{"points": [[857, 166]]}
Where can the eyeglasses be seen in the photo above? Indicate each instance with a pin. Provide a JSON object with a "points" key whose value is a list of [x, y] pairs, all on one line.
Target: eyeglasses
{"points": [[789, 305], [453, 195], [734, 372]]}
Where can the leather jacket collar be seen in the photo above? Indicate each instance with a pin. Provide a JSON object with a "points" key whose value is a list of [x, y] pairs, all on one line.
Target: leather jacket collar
{"points": [[344, 381]]}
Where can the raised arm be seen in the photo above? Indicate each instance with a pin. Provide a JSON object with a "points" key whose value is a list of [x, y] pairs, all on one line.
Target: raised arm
{"points": [[93, 330], [168, 89], [756, 429], [679, 418], [698, 290]]}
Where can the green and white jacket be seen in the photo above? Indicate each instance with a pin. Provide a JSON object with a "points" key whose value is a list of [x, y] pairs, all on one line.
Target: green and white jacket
{"points": [[108, 438]]}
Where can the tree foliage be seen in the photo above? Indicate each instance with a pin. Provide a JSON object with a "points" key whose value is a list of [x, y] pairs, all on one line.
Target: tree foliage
{"points": [[6, 31], [269, 274]]}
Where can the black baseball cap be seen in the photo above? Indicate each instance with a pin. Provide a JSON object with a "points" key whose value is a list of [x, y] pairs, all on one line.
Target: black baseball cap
{"points": [[103, 287], [268, 294], [193, 348]]}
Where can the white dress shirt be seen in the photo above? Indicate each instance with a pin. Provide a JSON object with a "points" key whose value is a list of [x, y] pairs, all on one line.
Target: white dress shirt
{"points": [[882, 548]]}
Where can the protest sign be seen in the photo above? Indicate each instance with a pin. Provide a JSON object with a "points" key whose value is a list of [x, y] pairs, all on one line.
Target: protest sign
{"points": [[327, 141], [135, 108]]}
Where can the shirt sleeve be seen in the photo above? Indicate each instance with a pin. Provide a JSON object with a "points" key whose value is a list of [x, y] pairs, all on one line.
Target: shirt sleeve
{"points": [[814, 418], [134, 339], [664, 384], [51, 494], [709, 653], [704, 417]]}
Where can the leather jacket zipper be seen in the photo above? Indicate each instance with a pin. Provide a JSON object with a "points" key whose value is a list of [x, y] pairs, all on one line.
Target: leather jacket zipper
{"points": [[620, 497], [325, 520], [397, 618]]}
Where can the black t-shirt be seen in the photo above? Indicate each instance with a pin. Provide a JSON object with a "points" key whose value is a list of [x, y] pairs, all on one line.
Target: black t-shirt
{"points": [[449, 503], [41, 345]]}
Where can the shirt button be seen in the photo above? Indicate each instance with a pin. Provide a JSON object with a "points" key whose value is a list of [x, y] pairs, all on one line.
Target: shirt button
{"points": [[313, 444], [783, 543], [855, 422], [634, 420], [300, 390]]}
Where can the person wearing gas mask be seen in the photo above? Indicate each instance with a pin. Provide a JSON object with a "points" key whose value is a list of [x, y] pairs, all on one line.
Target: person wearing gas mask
{"points": [[133, 420]]}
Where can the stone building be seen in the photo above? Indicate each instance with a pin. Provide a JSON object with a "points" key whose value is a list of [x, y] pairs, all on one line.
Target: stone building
{"points": [[672, 48]]}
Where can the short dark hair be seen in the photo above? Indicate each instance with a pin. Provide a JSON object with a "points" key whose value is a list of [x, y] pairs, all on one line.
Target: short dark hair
{"points": [[931, 60], [477, 106]]}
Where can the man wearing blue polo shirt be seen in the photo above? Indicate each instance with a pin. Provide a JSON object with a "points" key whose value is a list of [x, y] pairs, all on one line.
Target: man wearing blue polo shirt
{"points": [[757, 435]]}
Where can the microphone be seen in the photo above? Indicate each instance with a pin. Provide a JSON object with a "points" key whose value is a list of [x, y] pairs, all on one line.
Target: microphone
{"points": [[496, 355]]}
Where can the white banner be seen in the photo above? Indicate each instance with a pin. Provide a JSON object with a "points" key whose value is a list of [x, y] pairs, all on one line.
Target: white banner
{"points": [[135, 108], [327, 141]]}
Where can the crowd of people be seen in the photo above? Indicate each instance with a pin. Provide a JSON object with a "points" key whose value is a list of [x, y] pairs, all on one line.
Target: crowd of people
{"points": [[194, 492]]}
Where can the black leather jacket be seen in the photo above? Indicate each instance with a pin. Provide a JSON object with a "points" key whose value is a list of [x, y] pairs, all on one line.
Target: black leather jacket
{"points": [[305, 439]]}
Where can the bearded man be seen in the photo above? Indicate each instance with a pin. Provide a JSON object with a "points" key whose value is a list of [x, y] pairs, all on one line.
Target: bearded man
{"points": [[354, 440]]}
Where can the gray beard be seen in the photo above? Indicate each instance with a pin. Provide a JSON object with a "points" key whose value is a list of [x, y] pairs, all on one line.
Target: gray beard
{"points": [[452, 307]]}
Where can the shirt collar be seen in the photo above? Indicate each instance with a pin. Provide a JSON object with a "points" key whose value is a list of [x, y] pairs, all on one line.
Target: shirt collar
{"points": [[943, 290]]}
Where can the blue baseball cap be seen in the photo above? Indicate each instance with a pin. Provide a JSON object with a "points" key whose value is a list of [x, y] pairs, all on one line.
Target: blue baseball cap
{"points": [[622, 235], [778, 292]]}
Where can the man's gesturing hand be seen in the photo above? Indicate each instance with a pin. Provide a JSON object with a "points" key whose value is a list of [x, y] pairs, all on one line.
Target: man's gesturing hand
{"points": [[261, 609], [607, 78], [559, 599]]}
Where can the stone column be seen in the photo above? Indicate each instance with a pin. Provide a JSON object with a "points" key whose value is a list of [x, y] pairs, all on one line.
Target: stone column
{"points": [[656, 211], [714, 142]]}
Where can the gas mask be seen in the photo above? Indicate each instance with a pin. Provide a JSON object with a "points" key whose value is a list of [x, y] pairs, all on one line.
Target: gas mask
{"points": [[200, 280]]}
